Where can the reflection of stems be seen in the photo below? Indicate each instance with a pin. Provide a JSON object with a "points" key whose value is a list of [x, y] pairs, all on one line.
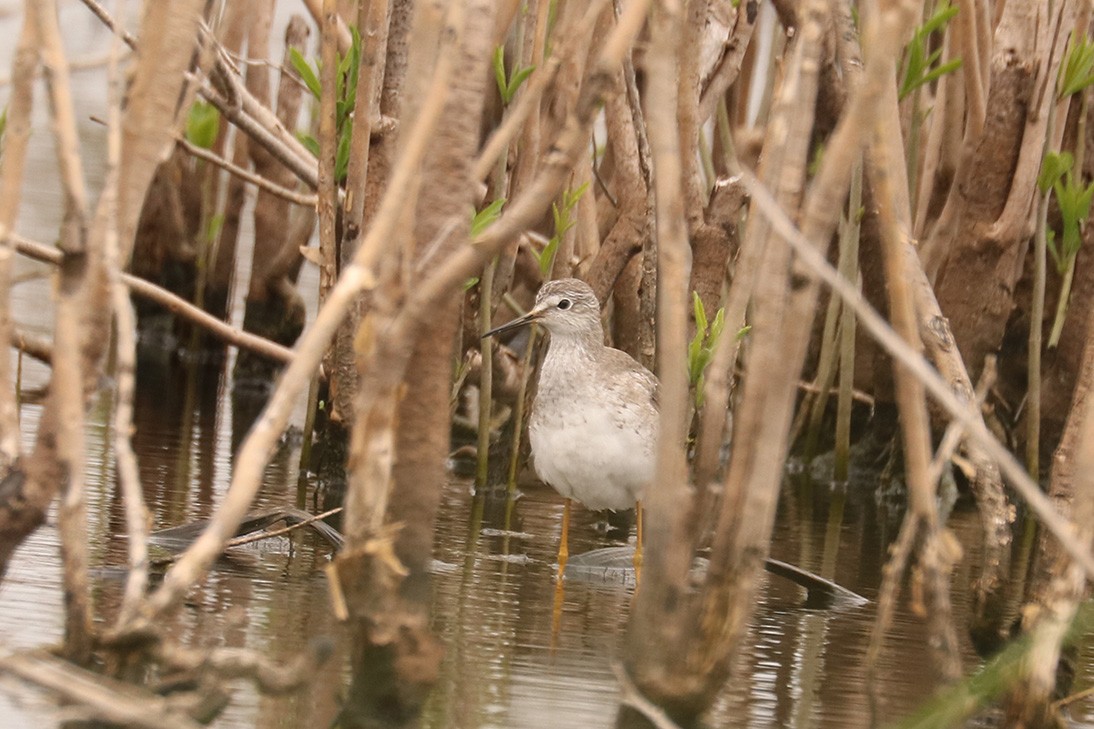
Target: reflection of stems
{"points": [[1061, 305]]}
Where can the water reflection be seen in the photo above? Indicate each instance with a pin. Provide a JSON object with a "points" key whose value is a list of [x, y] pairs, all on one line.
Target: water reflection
{"points": [[494, 586]]}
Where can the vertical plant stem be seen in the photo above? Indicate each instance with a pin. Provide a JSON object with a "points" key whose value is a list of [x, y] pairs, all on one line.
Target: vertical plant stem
{"points": [[67, 387], [16, 136], [486, 374], [136, 513], [1069, 274], [1036, 337], [328, 147], [911, 400], [667, 548], [850, 271]]}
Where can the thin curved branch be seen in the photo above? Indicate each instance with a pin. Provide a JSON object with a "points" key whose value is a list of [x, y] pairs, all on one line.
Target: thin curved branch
{"points": [[259, 181], [175, 304]]}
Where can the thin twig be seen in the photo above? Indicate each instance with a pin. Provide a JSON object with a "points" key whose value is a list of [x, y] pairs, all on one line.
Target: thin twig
{"points": [[267, 534], [39, 349], [136, 513], [292, 196], [174, 303]]}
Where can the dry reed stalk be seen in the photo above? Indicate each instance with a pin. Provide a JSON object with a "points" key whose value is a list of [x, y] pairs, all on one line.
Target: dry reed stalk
{"points": [[934, 559], [329, 25], [285, 193], [65, 441], [136, 513], [667, 550], [372, 21], [773, 367], [97, 697], [1065, 586], [16, 136]]}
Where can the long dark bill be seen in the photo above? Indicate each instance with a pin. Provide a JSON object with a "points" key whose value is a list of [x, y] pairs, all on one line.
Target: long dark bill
{"points": [[517, 323]]}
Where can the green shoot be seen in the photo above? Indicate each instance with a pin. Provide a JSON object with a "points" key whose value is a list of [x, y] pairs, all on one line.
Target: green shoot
{"points": [[484, 218], [202, 124], [345, 97], [1073, 200], [920, 66], [1077, 70], [701, 347], [564, 220], [508, 85]]}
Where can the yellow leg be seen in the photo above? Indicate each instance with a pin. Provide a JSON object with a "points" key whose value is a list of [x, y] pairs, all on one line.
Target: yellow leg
{"points": [[638, 542], [564, 543]]}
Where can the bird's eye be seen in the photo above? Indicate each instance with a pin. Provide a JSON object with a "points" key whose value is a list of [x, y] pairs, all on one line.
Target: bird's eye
{"points": [[564, 304]]}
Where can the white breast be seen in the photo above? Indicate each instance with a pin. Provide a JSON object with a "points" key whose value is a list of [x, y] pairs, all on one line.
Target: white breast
{"points": [[589, 442]]}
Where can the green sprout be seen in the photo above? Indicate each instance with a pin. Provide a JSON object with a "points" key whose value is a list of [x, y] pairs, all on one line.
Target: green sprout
{"points": [[345, 94], [508, 85], [1073, 200], [1077, 70], [202, 124], [701, 347], [920, 66], [484, 218], [564, 220]]}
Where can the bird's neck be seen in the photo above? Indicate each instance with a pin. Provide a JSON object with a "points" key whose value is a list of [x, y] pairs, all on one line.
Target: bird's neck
{"points": [[570, 354]]}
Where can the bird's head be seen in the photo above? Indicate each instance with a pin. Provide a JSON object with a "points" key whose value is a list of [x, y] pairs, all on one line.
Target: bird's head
{"points": [[565, 308]]}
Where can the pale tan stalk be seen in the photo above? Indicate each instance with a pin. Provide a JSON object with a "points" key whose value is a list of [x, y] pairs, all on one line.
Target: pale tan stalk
{"points": [[70, 369], [16, 136], [136, 513]]}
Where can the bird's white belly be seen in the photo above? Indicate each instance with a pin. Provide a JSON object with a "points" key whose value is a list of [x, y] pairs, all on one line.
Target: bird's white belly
{"points": [[600, 456]]}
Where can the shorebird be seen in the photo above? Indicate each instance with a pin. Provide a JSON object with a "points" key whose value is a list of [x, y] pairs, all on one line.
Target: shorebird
{"points": [[594, 420]]}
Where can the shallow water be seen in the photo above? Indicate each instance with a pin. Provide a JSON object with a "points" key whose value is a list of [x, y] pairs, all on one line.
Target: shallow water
{"points": [[493, 600], [493, 583]]}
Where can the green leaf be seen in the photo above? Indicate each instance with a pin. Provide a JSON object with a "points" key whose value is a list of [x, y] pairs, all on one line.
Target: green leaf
{"points": [[202, 124], [341, 155], [309, 142], [484, 218], [311, 80], [547, 256], [700, 312], [920, 66], [1077, 70], [1050, 239], [520, 75], [470, 283], [499, 71], [1053, 169], [717, 326]]}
